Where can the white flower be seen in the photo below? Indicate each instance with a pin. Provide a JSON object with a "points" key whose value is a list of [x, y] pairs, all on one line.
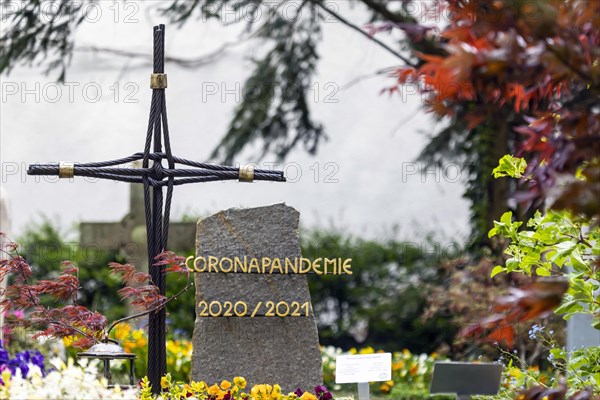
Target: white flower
{"points": [[65, 381]]}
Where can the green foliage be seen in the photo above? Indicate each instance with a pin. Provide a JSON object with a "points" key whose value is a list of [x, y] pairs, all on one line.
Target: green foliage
{"points": [[181, 313], [402, 394], [40, 30], [556, 243], [409, 394], [465, 295], [559, 243], [44, 247], [582, 366], [275, 108], [385, 296], [380, 304], [510, 166], [410, 371], [19, 339]]}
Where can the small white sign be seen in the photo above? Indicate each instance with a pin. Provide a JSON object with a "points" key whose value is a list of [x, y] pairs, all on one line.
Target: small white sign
{"points": [[363, 368]]}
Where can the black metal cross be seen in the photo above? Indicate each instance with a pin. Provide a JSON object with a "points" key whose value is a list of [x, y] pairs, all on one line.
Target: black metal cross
{"points": [[154, 177]]}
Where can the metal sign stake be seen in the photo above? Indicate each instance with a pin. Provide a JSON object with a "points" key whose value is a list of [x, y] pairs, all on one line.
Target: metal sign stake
{"points": [[363, 390]]}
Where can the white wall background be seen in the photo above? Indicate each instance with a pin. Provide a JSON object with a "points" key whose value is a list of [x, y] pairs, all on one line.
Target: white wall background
{"points": [[374, 138]]}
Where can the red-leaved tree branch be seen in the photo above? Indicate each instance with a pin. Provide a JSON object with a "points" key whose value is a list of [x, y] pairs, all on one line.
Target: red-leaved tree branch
{"points": [[534, 65], [68, 318]]}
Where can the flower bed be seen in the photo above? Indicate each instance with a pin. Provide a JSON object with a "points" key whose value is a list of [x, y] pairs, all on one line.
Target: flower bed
{"points": [[25, 376], [411, 373], [226, 390]]}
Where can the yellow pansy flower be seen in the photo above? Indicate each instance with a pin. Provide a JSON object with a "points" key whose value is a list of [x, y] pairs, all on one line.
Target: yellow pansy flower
{"points": [[385, 388], [265, 390], [137, 334], [187, 390], [515, 372], [276, 393], [262, 392], [199, 386], [214, 390], [164, 382], [122, 330], [225, 385], [308, 396], [239, 381], [6, 377], [397, 365], [414, 369], [67, 340]]}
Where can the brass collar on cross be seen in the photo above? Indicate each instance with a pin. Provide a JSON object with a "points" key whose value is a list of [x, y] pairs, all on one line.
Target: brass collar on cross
{"points": [[158, 81]]}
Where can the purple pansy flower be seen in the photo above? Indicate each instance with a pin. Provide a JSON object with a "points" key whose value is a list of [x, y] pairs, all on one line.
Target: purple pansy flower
{"points": [[21, 361], [322, 393]]}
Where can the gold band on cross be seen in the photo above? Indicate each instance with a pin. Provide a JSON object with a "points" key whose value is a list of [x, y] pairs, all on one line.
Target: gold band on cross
{"points": [[158, 81], [66, 169], [246, 173]]}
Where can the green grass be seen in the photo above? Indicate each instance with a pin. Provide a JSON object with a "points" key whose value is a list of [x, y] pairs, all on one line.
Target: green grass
{"points": [[354, 394]]}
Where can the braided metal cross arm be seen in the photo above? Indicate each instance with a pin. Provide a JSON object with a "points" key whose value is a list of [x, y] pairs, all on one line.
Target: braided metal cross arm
{"points": [[157, 175]]}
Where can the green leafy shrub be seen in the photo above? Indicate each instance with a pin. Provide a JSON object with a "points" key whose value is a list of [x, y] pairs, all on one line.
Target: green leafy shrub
{"points": [[403, 394]]}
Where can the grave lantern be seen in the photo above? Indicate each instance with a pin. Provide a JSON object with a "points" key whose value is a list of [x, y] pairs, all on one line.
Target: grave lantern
{"points": [[107, 350]]}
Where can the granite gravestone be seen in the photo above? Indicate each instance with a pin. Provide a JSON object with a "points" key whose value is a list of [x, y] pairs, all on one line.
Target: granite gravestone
{"points": [[262, 349]]}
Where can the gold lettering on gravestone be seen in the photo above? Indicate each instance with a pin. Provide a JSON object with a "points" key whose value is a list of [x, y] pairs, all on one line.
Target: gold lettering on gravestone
{"points": [[260, 309], [243, 266], [266, 265], [253, 265], [266, 261], [212, 264], [230, 264], [327, 263], [292, 266], [277, 264]]}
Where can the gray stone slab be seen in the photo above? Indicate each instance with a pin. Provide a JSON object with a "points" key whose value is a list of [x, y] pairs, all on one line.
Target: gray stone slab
{"points": [[581, 333], [283, 350], [129, 235]]}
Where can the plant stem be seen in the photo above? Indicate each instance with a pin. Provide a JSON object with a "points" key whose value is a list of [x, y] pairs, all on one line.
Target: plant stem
{"points": [[155, 308]]}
